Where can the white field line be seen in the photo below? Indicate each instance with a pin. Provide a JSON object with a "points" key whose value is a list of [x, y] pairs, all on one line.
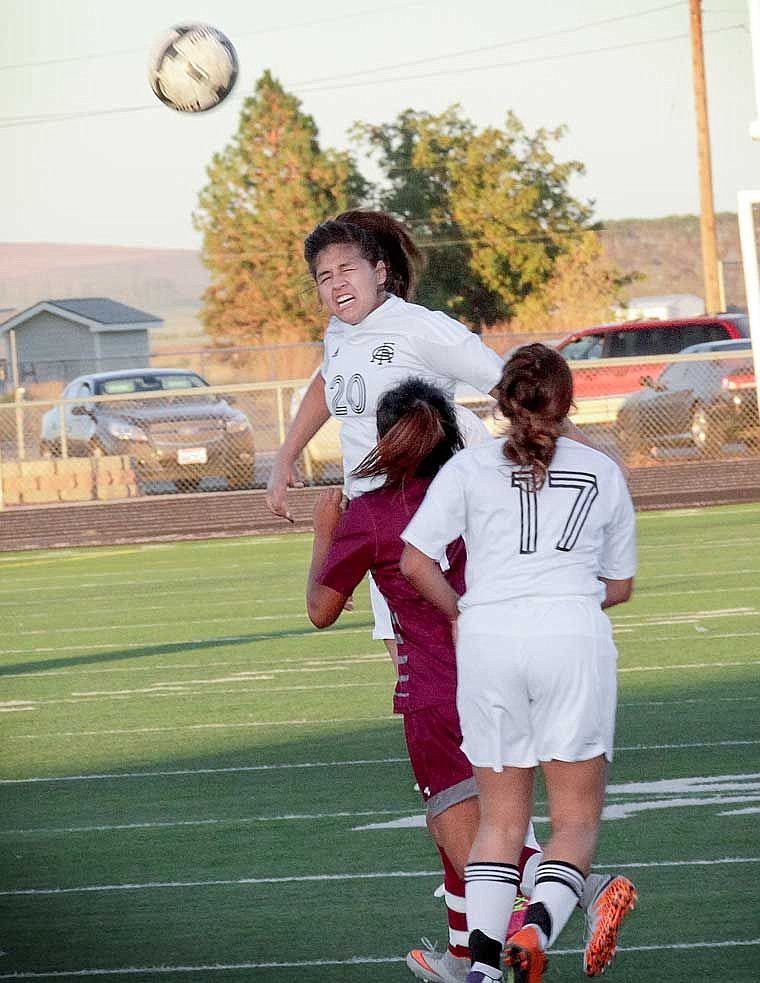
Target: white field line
{"points": [[171, 599], [170, 592], [190, 772], [313, 665], [354, 961], [322, 878], [695, 784], [177, 690], [33, 583], [621, 624], [167, 624], [213, 640], [229, 821], [705, 544], [217, 725]]}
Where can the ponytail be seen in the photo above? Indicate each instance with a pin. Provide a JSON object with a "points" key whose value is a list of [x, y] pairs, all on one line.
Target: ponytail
{"points": [[417, 434], [535, 394]]}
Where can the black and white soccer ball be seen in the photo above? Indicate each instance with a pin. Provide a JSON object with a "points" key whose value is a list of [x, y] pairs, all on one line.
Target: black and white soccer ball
{"points": [[193, 68]]}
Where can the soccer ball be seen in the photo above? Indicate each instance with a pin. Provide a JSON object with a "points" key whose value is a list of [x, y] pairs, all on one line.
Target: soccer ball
{"points": [[193, 68]]}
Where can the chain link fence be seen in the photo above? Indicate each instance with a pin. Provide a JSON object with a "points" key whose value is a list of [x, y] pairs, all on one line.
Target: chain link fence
{"points": [[168, 432]]}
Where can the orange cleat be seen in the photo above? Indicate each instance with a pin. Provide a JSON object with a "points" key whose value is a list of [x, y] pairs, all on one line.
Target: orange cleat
{"points": [[615, 899], [524, 954]]}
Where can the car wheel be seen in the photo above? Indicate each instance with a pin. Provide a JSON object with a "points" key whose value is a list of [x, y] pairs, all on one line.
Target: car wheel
{"points": [[708, 434], [188, 484]]}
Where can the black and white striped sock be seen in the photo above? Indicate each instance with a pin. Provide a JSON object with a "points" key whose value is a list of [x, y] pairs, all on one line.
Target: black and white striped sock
{"points": [[559, 887], [490, 889]]}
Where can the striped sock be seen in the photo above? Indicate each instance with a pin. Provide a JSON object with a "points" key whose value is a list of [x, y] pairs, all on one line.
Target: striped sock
{"points": [[490, 889], [455, 909], [559, 887]]}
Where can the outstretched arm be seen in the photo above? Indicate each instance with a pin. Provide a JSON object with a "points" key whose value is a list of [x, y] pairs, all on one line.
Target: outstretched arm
{"points": [[311, 415]]}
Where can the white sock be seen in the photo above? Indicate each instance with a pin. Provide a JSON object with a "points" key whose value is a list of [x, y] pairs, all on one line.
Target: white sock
{"points": [[559, 887], [490, 890]]}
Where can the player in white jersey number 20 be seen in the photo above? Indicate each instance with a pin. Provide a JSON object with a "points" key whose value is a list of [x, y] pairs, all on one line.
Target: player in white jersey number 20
{"points": [[365, 265]]}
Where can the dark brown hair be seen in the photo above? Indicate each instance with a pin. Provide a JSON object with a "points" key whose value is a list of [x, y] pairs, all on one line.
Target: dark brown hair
{"points": [[380, 238], [535, 394], [417, 433]]}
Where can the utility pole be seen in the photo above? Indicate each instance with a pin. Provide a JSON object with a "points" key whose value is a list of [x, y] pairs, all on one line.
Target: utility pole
{"points": [[706, 207]]}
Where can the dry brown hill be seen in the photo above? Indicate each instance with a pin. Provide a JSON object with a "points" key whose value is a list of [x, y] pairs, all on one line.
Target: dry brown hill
{"points": [[668, 252], [169, 282]]}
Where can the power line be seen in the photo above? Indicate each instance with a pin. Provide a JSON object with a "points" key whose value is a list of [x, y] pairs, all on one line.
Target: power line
{"points": [[20, 121], [243, 34], [518, 62], [501, 44]]}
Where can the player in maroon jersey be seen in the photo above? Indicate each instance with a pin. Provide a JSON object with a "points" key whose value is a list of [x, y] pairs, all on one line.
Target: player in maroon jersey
{"points": [[418, 433]]}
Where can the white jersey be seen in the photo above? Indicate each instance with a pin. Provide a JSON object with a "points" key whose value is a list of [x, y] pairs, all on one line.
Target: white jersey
{"points": [[395, 342], [521, 543]]}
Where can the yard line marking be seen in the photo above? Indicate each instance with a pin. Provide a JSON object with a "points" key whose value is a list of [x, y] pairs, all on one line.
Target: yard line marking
{"points": [[691, 665], [178, 690], [168, 594], [676, 747], [213, 640], [221, 725], [301, 662], [87, 698], [354, 961], [168, 624], [284, 766], [322, 878], [33, 584], [170, 601], [705, 544], [329, 665], [184, 772], [230, 821]]}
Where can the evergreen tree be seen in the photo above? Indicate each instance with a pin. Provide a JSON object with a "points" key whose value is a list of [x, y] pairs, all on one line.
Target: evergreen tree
{"points": [[266, 190]]}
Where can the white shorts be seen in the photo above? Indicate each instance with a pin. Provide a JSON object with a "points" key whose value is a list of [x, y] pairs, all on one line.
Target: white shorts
{"points": [[537, 681], [383, 624]]}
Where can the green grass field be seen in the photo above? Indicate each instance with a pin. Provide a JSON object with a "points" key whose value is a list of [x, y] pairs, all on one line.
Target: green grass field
{"points": [[188, 769]]}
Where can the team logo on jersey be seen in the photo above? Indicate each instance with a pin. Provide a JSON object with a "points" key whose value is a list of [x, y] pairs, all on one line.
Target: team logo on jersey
{"points": [[383, 353]]}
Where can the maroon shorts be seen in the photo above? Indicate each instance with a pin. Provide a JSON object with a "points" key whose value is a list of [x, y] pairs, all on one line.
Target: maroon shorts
{"points": [[443, 773]]}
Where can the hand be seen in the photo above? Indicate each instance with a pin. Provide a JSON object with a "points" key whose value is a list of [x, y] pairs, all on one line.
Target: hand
{"points": [[281, 478], [328, 509]]}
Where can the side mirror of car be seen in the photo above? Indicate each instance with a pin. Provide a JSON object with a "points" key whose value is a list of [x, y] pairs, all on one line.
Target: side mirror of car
{"points": [[81, 410]]}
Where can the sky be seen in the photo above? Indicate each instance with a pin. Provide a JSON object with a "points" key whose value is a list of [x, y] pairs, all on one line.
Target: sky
{"points": [[114, 166]]}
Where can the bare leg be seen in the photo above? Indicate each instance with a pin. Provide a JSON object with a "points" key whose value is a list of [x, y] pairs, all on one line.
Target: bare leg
{"points": [[575, 791], [506, 800], [454, 831]]}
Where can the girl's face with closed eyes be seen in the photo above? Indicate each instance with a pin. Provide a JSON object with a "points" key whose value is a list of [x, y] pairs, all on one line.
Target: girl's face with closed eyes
{"points": [[349, 286]]}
